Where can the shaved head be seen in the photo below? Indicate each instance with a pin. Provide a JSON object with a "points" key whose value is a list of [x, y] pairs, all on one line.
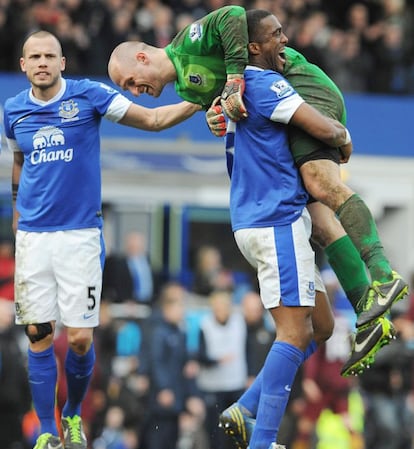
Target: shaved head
{"points": [[124, 57], [140, 68], [41, 35]]}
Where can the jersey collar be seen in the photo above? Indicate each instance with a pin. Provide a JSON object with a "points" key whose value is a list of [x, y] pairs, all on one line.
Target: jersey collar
{"points": [[55, 98]]}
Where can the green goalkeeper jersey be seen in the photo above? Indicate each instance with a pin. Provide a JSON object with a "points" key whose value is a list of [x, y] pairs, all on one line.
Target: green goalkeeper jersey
{"points": [[314, 85], [206, 51]]}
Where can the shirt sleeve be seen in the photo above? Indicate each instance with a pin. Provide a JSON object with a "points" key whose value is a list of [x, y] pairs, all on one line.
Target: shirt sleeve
{"points": [[12, 145], [232, 28], [286, 108], [118, 108], [277, 98]]}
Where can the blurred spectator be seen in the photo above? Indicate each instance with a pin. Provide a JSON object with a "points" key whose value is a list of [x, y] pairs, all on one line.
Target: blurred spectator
{"points": [[346, 62], [15, 399], [162, 30], [222, 356], [6, 41], [311, 38], [75, 42], [210, 275], [6, 270], [367, 29], [129, 276], [392, 61], [386, 387], [172, 373], [122, 26], [115, 435]]}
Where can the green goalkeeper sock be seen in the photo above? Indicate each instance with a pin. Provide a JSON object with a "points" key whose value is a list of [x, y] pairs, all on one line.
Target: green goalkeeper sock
{"points": [[346, 262], [359, 224]]}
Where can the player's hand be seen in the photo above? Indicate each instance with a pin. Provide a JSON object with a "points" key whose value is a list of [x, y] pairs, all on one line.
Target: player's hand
{"points": [[231, 98], [215, 119]]}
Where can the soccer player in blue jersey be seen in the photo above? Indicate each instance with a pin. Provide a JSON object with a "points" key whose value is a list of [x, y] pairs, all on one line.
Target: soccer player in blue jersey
{"points": [[271, 224], [53, 129]]}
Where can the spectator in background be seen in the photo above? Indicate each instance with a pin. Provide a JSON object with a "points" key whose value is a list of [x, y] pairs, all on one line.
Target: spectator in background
{"points": [[346, 62], [114, 434], [392, 61], [155, 21], [386, 387], [210, 275], [129, 276], [75, 42], [222, 356], [172, 387], [6, 269], [162, 30], [15, 399], [6, 42]]}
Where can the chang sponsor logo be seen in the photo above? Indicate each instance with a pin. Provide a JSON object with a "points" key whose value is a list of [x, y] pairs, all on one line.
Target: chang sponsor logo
{"points": [[43, 140], [41, 156]]}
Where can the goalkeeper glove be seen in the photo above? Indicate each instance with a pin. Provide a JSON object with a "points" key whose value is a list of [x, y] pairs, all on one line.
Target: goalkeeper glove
{"points": [[215, 119], [231, 98]]}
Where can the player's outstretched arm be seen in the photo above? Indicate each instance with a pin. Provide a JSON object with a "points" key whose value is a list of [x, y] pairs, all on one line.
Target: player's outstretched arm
{"points": [[157, 119], [329, 131], [231, 25]]}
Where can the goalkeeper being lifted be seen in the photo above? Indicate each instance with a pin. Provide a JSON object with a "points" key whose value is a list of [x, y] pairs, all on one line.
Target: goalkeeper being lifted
{"points": [[193, 60]]}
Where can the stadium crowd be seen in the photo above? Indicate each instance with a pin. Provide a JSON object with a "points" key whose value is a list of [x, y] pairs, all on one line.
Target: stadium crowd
{"points": [[364, 45], [148, 351]]}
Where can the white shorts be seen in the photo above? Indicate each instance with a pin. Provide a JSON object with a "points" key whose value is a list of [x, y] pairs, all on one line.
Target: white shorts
{"points": [[284, 260], [58, 277]]}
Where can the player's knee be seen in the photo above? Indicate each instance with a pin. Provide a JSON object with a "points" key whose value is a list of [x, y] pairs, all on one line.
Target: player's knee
{"points": [[39, 331], [323, 331], [80, 340], [319, 236], [322, 334]]}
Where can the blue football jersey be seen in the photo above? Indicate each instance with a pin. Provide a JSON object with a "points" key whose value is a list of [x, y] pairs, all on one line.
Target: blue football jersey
{"points": [[60, 182], [266, 188]]}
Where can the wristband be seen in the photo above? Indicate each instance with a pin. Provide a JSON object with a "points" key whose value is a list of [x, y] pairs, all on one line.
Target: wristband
{"points": [[347, 137], [15, 188]]}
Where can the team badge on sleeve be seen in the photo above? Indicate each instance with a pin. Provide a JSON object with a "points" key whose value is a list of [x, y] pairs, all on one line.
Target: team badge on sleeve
{"points": [[109, 89], [195, 32], [281, 88]]}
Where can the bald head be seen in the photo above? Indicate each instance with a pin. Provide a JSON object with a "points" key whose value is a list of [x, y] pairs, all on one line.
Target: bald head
{"points": [[124, 58], [140, 68]]}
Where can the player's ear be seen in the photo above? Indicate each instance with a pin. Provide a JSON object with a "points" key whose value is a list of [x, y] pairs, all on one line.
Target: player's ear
{"points": [[142, 57], [253, 48], [22, 65]]}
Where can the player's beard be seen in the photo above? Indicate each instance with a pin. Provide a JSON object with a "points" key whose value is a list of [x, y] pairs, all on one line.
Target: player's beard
{"points": [[47, 83]]}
